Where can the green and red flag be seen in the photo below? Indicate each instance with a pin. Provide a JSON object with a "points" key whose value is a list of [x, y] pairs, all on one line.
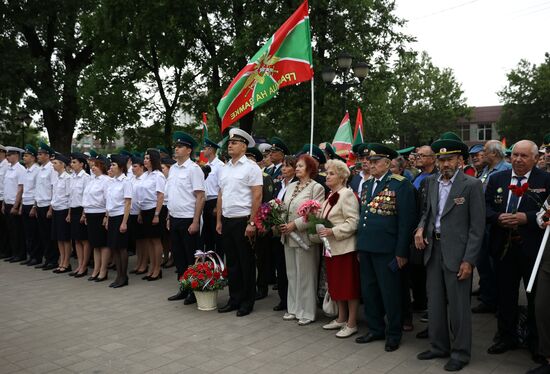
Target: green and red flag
{"points": [[358, 133], [343, 137], [283, 61]]}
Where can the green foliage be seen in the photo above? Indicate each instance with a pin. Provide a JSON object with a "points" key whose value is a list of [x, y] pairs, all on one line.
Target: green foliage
{"points": [[526, 97]]}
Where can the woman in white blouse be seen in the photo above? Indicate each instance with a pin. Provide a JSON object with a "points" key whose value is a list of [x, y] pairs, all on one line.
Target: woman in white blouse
{"points": [[151, 197], [167, 258], [135, 229], [79, 232], [94, 203], [119, 201], [59, 209]]}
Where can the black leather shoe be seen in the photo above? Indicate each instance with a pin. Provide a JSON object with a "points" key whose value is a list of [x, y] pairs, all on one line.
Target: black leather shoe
{"points": [[40, 266], [33, 262], [501, 347], [120, 284], [137, 272], [92, 278], [423, 334], [72, 273], [3, 256], [80, 275], [98, 279], [430, 355], [367, 338], [243, 312], [179, 296], [190, 299], [390, 347], [228, 308], [484, 308], [543, 369], [279, 307], [49, 267], [8, 259], [17, 259], [25, 262], [454, 365]]}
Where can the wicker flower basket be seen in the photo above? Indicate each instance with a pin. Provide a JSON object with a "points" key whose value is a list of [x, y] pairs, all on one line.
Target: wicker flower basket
{"points": [[207, 300]]}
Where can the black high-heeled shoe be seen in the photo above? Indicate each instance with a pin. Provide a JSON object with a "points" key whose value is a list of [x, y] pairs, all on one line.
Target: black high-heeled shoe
{"points": [[159, 276], [98, 279], [80, 275], [146, 277], [141, 272], [121, 284], [92, 278]]}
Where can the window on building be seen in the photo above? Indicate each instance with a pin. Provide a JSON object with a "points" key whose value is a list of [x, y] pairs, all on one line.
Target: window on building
{"points": [[484, 132], [464, 132]]}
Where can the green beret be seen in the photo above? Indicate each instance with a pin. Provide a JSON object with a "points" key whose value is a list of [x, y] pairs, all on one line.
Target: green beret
{"points": [[546, 142], [183, 138], [93, 153], [79, 156], [378, 151], [277, 144], [125, 153], [30, 150]]}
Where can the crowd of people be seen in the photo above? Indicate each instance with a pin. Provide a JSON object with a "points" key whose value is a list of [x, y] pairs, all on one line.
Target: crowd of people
{"points": [[407, 229]]}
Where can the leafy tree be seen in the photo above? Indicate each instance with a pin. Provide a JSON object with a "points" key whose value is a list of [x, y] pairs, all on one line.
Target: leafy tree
{"points": [[526, 97], [44, 52]]}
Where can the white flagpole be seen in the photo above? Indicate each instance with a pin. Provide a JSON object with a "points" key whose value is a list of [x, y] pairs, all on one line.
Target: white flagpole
{"points": [[312, 114], [537, 261]]}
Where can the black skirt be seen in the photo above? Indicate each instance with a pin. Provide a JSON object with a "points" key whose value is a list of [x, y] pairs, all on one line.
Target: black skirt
{"points": [[135, 231], [97, 235], [78, 230], [61, 229], [116, 239], [151, 231], [165, 233]]}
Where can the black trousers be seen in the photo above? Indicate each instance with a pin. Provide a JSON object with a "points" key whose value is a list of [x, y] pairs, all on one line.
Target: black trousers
{"points": [[487, 276], [514, 267], [30, 227], [210, 239], [184, 244], [15, 233], [47, 247], [280, 265], [262, 249], [241, 266], [4, 249]]}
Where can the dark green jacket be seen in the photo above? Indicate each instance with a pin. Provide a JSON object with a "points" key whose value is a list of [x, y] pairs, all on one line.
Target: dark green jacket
{"points": [[388, 216]]}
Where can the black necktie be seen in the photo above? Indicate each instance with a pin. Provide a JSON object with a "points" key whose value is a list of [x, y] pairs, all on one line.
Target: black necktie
{"points": [[514, 199]]}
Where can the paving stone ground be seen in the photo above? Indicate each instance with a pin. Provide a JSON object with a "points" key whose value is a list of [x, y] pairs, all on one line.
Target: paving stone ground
{"points": [[57, 324]]}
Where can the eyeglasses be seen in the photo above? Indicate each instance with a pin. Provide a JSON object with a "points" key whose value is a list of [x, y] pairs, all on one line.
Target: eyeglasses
{"points": [[418, 155]]}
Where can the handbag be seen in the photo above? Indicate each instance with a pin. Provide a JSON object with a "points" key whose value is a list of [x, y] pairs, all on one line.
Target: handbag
{"points": [[330, 308]]}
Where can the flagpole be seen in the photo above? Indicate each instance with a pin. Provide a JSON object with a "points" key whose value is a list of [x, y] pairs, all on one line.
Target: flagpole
{"points": [[312, 114]]}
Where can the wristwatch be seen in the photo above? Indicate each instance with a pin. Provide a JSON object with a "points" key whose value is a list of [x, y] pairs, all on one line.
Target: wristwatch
{"points": [[251, 223]]}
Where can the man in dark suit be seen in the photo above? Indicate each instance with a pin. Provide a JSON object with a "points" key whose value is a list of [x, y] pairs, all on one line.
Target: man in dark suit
{"points": [[450, 232], [358, 181], [515, 238], [278, 152]]}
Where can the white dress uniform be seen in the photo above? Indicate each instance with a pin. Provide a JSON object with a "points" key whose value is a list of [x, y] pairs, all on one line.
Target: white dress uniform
{"points": [[78, 185], [30, 224], [13, 178], [60, 207], [94, 203], [45, 181]]}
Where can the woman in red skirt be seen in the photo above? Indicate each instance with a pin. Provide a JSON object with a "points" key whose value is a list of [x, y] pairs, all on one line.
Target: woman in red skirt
{"points": [[341, 208]]}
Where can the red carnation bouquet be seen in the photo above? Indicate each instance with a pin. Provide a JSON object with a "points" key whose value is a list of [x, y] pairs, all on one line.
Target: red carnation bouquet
{"points": [[205, 275]]}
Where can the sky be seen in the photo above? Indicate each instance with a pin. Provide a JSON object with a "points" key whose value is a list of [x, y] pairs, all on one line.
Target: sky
{"points": [[481, 40]]}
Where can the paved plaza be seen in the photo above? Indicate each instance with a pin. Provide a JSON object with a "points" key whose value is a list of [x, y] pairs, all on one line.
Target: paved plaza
{"points": [[56, 324]]}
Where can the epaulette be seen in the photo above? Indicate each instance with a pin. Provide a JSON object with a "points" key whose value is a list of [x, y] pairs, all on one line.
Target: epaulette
{"points": [[398, 177], [323, 174], [265, 174]]}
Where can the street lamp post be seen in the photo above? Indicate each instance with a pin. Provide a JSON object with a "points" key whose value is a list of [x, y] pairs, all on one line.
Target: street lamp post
{"points": [[345, 67], [25, 119]]}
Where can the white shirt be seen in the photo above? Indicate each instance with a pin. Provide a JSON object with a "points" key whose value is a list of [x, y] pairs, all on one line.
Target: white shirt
{"points": [[29, 185], [151, 184], [45, 180], [3, 168], [282, 191], [183, 180], [95, 194], [136, 182], [12, 179], [212, 184], [444, 190], [362, 182], [514, 181], [119, 189], [61, 192], [235, 182], [78, 185]]}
